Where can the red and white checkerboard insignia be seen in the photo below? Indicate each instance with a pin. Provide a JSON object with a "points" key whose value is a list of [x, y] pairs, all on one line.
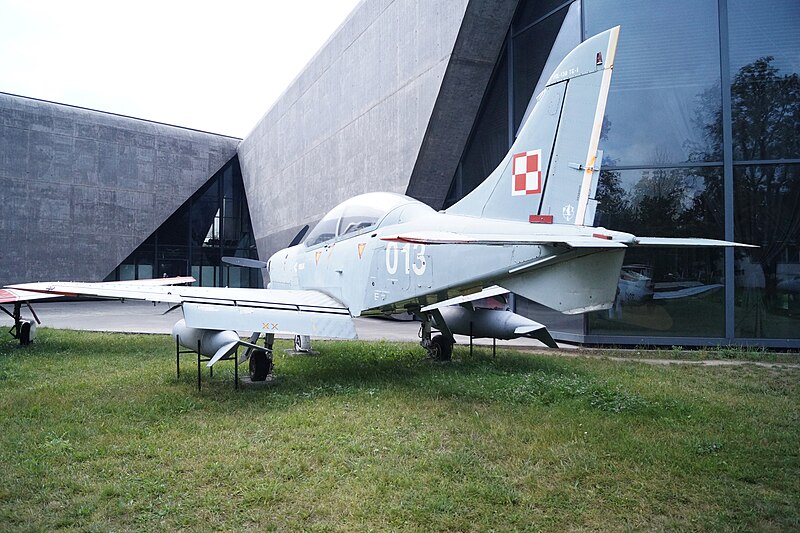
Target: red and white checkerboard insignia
{"points": [[526, 173]]}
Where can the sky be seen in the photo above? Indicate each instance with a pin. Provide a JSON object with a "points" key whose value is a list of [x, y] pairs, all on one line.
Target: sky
{"points": [[213, 66]]}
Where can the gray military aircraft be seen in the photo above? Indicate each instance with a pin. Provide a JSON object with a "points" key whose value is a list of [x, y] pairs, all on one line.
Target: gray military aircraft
{"points": [[527, 229]]}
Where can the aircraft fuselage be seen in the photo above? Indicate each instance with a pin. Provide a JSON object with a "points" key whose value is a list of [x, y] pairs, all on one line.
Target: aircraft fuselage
{"points": [[402, 276]]}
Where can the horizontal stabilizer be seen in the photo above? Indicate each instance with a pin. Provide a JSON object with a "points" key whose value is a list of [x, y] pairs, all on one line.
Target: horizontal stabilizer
{"points": [[490, 239], [679, 242]]}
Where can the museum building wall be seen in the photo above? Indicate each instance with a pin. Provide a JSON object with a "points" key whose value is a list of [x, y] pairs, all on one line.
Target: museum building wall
{"points": [[81, 189], [398, 79]]}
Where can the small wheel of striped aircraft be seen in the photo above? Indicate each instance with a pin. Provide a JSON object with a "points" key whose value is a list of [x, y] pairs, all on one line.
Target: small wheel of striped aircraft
{"points": [[527, 229]]}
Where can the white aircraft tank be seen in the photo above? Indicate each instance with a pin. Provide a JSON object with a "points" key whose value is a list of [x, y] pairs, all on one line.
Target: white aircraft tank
{"points": [[211, 341]]}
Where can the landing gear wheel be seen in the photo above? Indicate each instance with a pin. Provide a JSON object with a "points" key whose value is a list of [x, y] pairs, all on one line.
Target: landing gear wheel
{"points": [[302, 344], [441, 349], [26, 332], [260, 365]]}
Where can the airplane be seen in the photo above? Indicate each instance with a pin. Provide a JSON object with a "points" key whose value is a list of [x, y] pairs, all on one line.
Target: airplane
{"points": [[527, 229]]}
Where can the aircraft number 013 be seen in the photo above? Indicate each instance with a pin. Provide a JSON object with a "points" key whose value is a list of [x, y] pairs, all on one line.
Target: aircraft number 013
{"points": [[412, 256]]}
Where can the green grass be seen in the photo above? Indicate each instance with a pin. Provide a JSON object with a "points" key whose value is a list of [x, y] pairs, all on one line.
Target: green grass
{"points": [[97, 434], [721, 353]]}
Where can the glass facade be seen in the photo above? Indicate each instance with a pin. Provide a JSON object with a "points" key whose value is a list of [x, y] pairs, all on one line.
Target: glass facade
{"points": [[700, 139], [213, 223]]}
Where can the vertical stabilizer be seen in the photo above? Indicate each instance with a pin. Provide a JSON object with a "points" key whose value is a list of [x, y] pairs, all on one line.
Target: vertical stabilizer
{"points": [[550, 174]]}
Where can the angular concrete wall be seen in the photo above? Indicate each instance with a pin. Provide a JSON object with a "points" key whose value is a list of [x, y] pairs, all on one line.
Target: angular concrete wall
{"points": [[81, 189], [469, 71], [355, 118]]}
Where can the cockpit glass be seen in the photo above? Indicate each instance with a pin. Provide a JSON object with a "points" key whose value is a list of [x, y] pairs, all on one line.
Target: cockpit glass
{"points": [[355, 215]]}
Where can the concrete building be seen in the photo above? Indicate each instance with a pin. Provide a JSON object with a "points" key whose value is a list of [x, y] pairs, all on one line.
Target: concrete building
{"points": [[81, 189], [424, 98]]}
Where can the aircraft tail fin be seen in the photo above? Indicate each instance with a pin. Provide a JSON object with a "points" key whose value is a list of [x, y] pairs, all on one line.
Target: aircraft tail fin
{"points": [[550, 173]]}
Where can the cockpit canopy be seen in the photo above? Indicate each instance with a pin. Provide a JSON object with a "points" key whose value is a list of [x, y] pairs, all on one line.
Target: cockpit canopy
{"points": [[354, 215]]}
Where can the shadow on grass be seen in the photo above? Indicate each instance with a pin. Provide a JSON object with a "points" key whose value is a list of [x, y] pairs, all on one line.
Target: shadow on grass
{"points": [[353, 368]]}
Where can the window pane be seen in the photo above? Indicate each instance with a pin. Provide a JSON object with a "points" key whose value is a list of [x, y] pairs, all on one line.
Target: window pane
{"points": [[662, 202], [670, 291], [531, 50], [532, 10], [489, 142], [767, 200], [665, 91], [765, 87], [667, 292]]}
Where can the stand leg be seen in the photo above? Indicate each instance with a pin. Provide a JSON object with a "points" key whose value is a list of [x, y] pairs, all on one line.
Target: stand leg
{"points": [[198, 364], [470, 339]]}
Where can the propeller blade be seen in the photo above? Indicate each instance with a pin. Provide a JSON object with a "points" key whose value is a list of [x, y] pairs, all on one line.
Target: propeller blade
{"points": [[244, 262]]}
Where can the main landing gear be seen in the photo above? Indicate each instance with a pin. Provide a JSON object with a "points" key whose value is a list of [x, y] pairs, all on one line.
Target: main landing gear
{"points": [[439, 347], [22, 330], [261, 364]]}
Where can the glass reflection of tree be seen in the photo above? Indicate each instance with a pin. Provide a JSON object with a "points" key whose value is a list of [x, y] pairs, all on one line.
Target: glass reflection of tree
{"points": [[765, 108]]}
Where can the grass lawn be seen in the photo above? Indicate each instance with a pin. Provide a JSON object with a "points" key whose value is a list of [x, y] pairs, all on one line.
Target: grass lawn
{"points": [[97, 434]]}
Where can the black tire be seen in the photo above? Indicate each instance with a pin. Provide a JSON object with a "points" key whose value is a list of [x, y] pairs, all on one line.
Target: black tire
{"points": [[441, 348], [260, 365], [26, 332]]}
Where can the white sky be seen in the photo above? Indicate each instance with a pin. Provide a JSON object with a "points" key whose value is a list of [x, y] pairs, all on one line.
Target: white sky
{"points": [[210, 65]]}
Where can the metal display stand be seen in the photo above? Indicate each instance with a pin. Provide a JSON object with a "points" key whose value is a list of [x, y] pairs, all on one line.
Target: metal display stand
{"points": [[202, 359]]}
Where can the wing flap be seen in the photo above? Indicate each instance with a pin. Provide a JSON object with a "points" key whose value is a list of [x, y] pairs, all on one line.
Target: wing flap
{"points": [[298, 321]]}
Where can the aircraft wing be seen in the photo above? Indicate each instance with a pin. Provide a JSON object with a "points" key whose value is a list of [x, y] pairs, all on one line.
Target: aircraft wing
{"points": [[301, 312], [8, 296], [16, 294]]}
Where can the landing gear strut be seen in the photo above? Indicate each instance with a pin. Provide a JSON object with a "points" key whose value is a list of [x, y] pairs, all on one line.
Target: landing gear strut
{"points": [[439, 347], [22, 330]]}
